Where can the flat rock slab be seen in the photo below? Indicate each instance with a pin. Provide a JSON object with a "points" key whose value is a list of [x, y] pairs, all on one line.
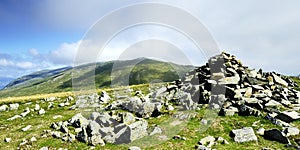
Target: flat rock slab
{"points": [[245, 134]]}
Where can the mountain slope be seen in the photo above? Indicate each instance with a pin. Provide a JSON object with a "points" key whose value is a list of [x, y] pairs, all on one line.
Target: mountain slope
{"points": [[136, 71]]}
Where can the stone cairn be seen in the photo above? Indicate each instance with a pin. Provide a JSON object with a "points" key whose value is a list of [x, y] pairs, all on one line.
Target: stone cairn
{"points": [[224, 84]]}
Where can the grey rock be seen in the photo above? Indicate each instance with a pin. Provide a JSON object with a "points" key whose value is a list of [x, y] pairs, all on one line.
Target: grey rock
{"points": [[122, 134], [128, 118], [57, 116], [44, 148], [277, 121], [275, 135], [78, 121], [64, 129], [104, 120], [278, 80], [42, 111], [25, 113], [33, 139], [134, 148], [156, 130], [26, 128], [245, 134], [222, 140], [202, 147], [37, 107], [291, 131], [260, 131], [138, 130], [96, 140], [82, 136], [4, 108], [245, 110], [56, 134], [288, 116], [7, 140], [14, 106], [94, 116], [61, 104], [208, 141], [272, 103], [93, 129], [71, 138], [104, 97], [229, 111]]}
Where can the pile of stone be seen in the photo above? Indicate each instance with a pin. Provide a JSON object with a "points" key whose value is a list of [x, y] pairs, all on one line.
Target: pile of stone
{"points": [[224, 84], [115, 127]]}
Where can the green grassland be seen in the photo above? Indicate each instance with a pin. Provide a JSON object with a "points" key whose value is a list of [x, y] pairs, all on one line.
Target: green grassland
{"points": [[193, 132], [140, 71]]}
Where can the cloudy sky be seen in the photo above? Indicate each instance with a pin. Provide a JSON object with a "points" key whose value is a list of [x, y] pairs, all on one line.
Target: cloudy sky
{"points": [[46, 34]]}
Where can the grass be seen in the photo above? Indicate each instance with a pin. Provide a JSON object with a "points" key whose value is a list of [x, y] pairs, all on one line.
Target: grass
{"points": [[221, 126]]}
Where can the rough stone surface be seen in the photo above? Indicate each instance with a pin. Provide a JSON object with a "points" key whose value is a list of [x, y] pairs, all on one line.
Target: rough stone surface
{"points": [[245, 134]]}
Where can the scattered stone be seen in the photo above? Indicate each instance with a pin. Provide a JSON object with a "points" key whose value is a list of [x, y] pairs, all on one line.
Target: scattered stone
{"points": [[245, 134], [288, 116], [44, 148], [104, 97], [96, 140], [37, 107], [207, 141], [291, 131], [134, 148], [202, 147], [33, 139], [42, 111], [56, 134], [26, 128], [64, 129], [156, 130], [222, 140], [176, 137], [275, 135], [14, 117], [278, 80], [7, 140], [25, 113], [57, 116], [13, 106], [261, 131], [61, 104], [4, 108]]}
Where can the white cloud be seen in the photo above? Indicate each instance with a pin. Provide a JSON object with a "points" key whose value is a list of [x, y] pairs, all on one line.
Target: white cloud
{"points": [[25, 65], [65, 54], [33, 52], [6, 63]]}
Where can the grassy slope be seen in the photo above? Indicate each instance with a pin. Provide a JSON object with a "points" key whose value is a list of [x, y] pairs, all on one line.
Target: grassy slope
{"points": [[221, 127], [144, 72]]}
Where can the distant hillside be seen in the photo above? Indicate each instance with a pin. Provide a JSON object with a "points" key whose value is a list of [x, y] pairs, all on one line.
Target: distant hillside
{"points": [[59, 80]]}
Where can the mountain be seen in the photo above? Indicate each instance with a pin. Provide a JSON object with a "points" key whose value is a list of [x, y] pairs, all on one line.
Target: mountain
{"points": [[136, 71]]}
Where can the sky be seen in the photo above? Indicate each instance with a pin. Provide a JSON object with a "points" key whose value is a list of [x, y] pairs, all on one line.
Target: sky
{"points": [[47, 34]]}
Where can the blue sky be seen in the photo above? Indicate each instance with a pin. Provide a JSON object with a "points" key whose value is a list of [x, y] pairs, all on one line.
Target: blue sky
{"points": [[45, 34]]}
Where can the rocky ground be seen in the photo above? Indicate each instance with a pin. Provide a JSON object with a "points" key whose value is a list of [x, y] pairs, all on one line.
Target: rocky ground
{"points": [[221, 105]]}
